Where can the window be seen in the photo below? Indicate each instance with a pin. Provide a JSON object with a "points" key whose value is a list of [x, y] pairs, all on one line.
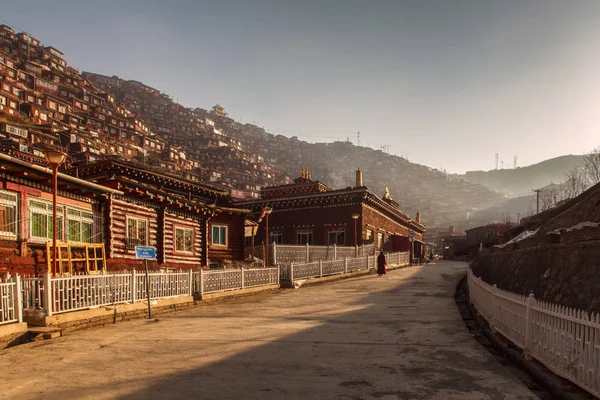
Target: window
{"points": [[219, 235], [8, 214], [16, 131], [276, 237], [80, 225], [137, 232], [184, 240], [336, 237], [40, 219], [369, 234], [379, 240], [304, 237]]}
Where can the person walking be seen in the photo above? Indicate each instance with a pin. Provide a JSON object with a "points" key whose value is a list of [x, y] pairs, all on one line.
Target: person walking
{"points": [[381, 264]]}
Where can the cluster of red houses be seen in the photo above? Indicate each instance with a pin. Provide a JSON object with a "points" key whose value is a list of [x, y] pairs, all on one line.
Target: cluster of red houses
{"points": [[114, 206]]}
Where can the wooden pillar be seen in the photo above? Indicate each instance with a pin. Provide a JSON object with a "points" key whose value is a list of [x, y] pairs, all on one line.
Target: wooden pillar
{"points": [[160, 235], [204, 229]]}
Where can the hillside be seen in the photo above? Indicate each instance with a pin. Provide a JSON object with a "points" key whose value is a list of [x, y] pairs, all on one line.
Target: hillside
{"points": [[229, 149], [45, 102], [522, 180]]}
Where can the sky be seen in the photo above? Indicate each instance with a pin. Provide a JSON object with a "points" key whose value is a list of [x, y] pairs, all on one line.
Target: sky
{"points": [[446, 83]]}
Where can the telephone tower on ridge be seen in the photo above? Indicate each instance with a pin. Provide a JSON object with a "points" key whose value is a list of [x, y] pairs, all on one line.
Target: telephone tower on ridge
{"points": [[496, 160], [358, 139], [515, 162]]}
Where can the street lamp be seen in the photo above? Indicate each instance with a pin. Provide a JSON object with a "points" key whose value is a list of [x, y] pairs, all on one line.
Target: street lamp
{"points": [[267, 210], [54, 158], [355, 218]]}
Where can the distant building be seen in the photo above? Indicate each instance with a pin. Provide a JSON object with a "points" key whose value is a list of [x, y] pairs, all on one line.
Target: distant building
{"points": [[487, 236], [219, 110], [310, 212]]}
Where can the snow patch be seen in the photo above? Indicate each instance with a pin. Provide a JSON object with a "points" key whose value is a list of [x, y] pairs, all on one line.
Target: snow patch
{"points": [[522, 236], [581, 225]]}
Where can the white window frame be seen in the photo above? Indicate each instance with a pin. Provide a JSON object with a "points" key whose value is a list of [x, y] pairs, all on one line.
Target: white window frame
{"points": [[175, 243], [212, 236], [47, 211], [84, 217], [132, 241], [6, 202]]}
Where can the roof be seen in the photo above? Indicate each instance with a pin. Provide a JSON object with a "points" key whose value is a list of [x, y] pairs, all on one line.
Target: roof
{"points": [[39, 173], [363, 193]]}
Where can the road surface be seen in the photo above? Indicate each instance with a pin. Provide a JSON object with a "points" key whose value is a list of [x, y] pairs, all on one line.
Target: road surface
{"points": [[395, 337]]}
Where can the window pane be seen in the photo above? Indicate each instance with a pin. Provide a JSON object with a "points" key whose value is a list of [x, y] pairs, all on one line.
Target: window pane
{"points": [[74, 231], [223, 236], [86, 234], [8, 219], [215, 235], [179, 239]]}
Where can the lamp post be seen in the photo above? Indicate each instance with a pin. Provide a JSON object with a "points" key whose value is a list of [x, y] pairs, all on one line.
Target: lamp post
{"points": [[54, 158], [267, 210], [355, 218]]}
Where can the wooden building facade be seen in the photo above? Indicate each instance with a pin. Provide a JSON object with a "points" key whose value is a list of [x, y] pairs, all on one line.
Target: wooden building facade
{"points": [[308, 211], [105, 212], [190, 224]]}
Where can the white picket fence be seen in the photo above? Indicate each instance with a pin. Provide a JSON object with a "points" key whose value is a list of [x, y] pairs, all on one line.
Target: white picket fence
{"points": [[280, 254], [565, 340], [80, 292], [219, 281], [318, 269], [10, 302]]}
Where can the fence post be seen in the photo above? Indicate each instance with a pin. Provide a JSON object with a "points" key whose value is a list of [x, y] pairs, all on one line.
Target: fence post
{"points": [[292, 273], [368, 261], [18, 299], [278, 275], [48, 293], [274, 254], [334, 251], [320, 268], [243, 276], [191, 282], [201, 289], [528, 324], [346, 265], [133, 286], [494, 312], [307, 253]]}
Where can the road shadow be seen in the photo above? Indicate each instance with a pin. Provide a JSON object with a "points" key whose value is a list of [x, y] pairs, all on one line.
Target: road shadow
{"points": [[407, 341]]}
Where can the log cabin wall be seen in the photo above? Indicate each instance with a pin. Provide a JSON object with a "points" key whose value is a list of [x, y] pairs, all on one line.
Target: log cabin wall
{"points": [[182, 257], [234, 247], [124, 240]]}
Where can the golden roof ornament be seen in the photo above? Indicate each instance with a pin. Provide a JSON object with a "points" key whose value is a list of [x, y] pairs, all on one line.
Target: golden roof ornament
{"points": [[386, 195], [303, 175], [308, 176]]}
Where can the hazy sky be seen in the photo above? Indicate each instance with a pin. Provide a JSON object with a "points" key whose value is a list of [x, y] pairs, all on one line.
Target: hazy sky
{"points": [[448, 83]]}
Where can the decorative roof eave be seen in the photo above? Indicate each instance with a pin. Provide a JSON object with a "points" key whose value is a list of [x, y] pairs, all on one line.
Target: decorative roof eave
{"points": [[308, 197], [66, 181], [89, 170]]}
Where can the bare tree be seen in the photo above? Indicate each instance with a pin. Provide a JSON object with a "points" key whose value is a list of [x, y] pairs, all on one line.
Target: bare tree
{"points": [[591, 166], [575, 183]]}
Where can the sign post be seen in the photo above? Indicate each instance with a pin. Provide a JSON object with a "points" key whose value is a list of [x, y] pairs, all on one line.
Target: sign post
{"points": [[146, 253]]}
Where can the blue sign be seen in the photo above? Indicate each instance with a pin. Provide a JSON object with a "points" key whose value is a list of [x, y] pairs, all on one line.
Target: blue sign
{"points": [[145, 252]]}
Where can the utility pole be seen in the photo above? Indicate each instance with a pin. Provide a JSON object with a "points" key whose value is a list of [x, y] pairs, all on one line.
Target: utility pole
{"points": [[537, 191]]}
